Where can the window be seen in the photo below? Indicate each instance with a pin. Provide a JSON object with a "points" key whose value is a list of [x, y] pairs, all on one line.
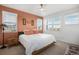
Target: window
{"points": [[53, 22], [10, 20], [39, 24], [49, 24], [56, 22], [72, 19]]}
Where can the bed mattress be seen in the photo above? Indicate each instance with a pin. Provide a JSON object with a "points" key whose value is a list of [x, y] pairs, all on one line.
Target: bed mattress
{"points": [[35, 42]]}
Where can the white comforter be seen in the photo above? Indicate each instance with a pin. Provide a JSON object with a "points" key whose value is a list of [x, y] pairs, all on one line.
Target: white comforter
{"points": [[35, 42]]}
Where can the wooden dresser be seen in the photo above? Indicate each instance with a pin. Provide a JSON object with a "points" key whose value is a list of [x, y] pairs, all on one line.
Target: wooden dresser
{"points": [[10, 38]]}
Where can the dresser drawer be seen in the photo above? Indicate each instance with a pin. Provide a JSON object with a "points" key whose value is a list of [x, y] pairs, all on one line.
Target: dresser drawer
{"points": [[12, 41], [1, 38], [11, 38]]}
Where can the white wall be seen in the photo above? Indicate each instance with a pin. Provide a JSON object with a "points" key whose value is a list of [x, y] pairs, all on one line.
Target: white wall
{"points": [[68, 33]]}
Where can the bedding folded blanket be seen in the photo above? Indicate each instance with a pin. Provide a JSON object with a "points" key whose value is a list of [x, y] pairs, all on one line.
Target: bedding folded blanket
{"points": [[35, 42]]}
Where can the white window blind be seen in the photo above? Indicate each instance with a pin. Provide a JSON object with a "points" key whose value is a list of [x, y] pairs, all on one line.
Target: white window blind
{"points": [[10, 20], [72, 18]]}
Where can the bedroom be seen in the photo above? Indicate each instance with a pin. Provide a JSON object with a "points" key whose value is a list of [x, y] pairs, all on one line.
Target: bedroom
{"points": [[32, 28]]}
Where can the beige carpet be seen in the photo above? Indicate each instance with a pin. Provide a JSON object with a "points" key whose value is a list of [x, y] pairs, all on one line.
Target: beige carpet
{"points": [[57, 49]]}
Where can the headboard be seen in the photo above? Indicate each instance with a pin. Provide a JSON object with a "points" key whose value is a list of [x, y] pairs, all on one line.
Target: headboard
{"points": [[19, 33]]}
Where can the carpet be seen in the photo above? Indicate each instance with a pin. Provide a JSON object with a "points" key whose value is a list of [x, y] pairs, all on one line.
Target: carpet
{"points": [[57, 49], [72, 50]]}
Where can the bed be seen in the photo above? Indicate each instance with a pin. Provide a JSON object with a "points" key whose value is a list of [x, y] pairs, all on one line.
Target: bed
{"points": [[35, 42]]}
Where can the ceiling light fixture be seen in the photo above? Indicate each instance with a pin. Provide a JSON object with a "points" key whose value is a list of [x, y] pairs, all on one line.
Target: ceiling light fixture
{"points": [[42, 7]]}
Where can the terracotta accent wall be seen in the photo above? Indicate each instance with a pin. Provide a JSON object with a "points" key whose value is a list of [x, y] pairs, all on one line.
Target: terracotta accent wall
{"points": [[28, 28], [1, 28]]}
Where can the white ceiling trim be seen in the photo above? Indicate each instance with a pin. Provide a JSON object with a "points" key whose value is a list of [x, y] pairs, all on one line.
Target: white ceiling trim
{"points": [[34, 8]]}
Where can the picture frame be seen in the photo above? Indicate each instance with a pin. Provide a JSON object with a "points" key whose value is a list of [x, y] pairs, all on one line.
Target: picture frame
{"points": [[32, 22], [24, 21]]}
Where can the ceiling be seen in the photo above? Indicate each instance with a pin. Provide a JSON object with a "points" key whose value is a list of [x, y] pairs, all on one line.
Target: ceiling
{"points": [[35, 8]]}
